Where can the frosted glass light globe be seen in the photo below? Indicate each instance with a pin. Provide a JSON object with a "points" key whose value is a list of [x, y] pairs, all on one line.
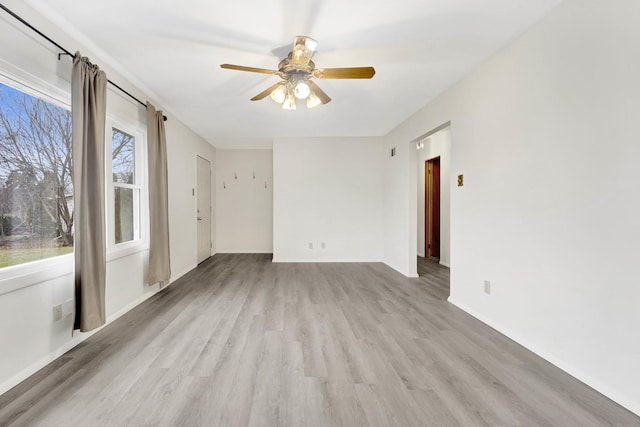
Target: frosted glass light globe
{"points": [[289, 103], [278, 94], [302, 90]]}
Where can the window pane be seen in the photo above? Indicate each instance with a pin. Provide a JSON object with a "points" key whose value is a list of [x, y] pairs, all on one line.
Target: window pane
{"points": [[36, 192], [123, 157], [124, 211]]}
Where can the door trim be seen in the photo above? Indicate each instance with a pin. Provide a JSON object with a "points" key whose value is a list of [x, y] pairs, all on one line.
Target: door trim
{"points": [[198, 214]]}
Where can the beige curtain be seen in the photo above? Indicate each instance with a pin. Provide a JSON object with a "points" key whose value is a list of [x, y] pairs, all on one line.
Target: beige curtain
{"points": [[159, 262], [88, 109]]}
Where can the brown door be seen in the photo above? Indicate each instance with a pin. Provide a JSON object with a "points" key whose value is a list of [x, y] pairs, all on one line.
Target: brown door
{"points": [[432, 208]]}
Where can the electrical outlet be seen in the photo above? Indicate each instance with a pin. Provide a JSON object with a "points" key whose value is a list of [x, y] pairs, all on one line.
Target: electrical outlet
{"points": [[322, 245], [57, 312], [310, 245], [487, 287]]}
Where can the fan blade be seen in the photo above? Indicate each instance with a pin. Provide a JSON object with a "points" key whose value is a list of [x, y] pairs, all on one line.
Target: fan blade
{"points": [[250, 69], [344, 73], [319, 92], [266, 92]]}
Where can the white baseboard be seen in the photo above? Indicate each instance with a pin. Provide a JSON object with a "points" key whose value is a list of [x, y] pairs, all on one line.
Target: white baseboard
{"points": [[405, 274], [248, 251], [44, 361], [79, 337], [297, 260], [421, 254], [176, 276], [625, 401]]}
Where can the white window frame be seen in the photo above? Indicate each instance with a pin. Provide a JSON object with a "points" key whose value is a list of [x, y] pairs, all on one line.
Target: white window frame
{"points": [[30, 273], [141, 208], [20, 276]]}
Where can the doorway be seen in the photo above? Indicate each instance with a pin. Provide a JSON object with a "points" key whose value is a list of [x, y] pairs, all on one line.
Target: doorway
{"points": [[204, 209], [432, 208], [430, 231]]}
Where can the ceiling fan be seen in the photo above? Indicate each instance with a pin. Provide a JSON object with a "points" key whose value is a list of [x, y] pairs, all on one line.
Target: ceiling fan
{"points": [[296, 72]]}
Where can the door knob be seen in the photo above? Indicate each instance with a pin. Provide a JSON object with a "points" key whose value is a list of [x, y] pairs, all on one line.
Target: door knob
{"points": [[199, 218]]}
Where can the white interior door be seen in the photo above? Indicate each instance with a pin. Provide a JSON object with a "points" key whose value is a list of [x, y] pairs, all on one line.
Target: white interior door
{"points": [[203, 195]]}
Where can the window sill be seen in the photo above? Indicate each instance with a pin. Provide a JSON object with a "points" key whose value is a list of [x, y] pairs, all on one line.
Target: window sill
{"points": [[126, 249], [31, 273]]}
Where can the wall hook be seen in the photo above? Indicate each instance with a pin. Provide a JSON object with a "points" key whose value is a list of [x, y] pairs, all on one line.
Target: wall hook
{"points": [[254, 175], [224, 184], [265, 184], [235, 175]]}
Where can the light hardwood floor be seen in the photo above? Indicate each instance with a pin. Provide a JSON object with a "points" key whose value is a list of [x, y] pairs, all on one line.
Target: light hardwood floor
{"points": [[240, 341]]}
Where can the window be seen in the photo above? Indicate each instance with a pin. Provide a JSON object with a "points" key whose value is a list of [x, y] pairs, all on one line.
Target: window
{"points": [[125, 192], [36, 185], [36, 192], [126, 186]]}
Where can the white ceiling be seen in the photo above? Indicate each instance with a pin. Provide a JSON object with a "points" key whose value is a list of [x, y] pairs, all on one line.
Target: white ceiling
{"points": [[172, 50]]}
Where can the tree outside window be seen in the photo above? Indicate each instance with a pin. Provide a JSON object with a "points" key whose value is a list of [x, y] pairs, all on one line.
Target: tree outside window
{"points": [[36, 192], [126, 189]]}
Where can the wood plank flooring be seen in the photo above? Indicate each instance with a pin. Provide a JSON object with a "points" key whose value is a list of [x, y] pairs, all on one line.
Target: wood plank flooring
{"points": [[240, 341]]}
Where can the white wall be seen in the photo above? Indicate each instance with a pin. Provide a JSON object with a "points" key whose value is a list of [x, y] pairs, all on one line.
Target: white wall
{"points": [[546, 135], [183, 145], [436, 145], [245, 207], [328, 190], [29, 338]]}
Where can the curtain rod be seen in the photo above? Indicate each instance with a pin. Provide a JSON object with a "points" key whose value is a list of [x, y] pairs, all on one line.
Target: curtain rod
{"points": [[66, 52]]}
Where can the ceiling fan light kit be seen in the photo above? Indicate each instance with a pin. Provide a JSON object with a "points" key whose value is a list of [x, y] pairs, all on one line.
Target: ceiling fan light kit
{"points": [[313, 100], [279, 94], [296, 72], [302, 91], [289, 102]]}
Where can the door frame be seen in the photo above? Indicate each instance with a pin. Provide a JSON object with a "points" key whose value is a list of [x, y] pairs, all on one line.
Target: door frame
{"points": [[414, 179]]}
